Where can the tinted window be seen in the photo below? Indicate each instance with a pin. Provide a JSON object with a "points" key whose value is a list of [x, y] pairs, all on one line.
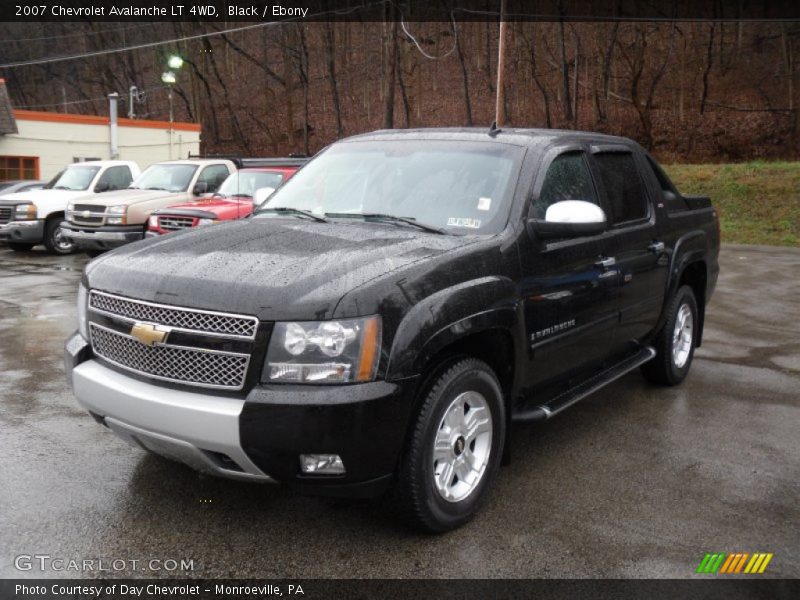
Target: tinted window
{"points": [[672, 199], [213, 176], [117, 178], [463, 186], [567, 178], [623, 185]]}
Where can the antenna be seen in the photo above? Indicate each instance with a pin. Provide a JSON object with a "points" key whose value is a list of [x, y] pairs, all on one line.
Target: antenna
{"points": [[493, 130]]}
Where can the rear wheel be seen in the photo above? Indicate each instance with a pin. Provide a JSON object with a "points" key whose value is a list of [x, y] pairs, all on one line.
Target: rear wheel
{"points": [[20, 247], [54, 240], [455, 447], [676, 342]]}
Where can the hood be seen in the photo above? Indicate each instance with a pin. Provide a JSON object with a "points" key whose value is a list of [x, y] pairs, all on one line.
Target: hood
{"points": [[41, 196], [212, 203], [212, 207], [130, 196], [273, 268]]}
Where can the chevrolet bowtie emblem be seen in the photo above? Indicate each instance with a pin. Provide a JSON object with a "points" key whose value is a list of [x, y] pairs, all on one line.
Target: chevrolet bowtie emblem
{"points": [[86, 214], [148, 334]]}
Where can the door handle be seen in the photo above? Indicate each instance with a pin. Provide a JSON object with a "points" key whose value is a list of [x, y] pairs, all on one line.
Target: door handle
{"points": [[605, 263], [656, 247]]}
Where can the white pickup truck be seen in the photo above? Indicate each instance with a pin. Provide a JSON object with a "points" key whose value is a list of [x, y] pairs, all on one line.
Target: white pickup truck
{"points": [[34, 217]]}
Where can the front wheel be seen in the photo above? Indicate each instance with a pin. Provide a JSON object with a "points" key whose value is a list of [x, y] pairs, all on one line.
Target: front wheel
{"points": [[455, 447], [676, 342], [54, 240]]}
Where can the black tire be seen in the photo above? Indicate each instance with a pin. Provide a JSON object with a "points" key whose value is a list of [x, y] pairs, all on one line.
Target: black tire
{"points": [[420, 501], [19, 246], [53, 240], [663, 369]]}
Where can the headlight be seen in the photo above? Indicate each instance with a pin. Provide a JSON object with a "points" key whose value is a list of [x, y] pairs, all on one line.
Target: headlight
{"points": [[342, 351], [25, 212], [152, 222], [116, 215], [201, 222], [83, 326]]}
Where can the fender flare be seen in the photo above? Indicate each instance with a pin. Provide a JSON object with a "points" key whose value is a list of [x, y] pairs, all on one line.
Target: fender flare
{"points": [[681, 258], [487, 303]]}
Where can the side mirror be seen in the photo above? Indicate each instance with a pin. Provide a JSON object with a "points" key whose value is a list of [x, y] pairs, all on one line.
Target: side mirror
{"points": [[102, 186], [261, 194], [200, 188], [570, 218]]}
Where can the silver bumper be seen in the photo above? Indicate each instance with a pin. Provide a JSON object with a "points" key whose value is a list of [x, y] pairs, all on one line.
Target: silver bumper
{"points": [[200, 430]]}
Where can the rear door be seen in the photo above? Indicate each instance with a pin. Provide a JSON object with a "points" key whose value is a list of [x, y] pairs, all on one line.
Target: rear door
{"points": [[633, 242], [569, 293]]}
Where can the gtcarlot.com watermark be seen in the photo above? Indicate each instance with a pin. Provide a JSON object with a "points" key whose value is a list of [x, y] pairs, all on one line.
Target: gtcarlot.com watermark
{"points": [[48, 563]]}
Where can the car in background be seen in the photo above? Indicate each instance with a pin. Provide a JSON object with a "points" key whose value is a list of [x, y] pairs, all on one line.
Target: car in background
{"points": [[236, 198], [20, 185], [96, 224], [34, 217]]}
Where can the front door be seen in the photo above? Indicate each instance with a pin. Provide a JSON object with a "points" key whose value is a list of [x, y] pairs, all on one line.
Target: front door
{"points": [[633, 242], [569, 289]]}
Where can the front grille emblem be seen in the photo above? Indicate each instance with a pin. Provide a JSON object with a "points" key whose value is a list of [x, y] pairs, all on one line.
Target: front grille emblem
{"points": [[150, 335]]}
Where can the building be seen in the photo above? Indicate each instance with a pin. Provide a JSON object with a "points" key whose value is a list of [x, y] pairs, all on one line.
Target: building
{"points": [[37, 145]]}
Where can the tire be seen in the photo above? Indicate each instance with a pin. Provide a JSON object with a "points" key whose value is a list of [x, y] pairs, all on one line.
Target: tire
{"points": [[675, 344], [456, 391], [54, 241], [19, 246]]}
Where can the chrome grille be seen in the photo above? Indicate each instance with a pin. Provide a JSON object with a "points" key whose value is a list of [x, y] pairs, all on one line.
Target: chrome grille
{"points": [[192, 366], [5, 214], [175, 223], [95, 216], [181, 318]]}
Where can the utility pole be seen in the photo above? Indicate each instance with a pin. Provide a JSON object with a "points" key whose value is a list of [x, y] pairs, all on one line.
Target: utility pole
{"points": [[131, 97], [500, 100], [112, 123]]}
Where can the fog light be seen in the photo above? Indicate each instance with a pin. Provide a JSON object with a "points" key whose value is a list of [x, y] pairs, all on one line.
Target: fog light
{"points": [[321, 464]]}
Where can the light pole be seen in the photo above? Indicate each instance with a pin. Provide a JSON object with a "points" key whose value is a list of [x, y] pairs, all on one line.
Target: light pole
{"points": [[174, 62]]}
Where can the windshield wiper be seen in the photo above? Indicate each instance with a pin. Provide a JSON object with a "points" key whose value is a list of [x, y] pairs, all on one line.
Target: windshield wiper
{"points": [[393, 218], [294, 211], [61, 187], [160, 189]]}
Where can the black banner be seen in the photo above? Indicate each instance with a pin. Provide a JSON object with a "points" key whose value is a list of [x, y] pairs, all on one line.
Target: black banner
{"points": [[225, 11], [712, 588]]}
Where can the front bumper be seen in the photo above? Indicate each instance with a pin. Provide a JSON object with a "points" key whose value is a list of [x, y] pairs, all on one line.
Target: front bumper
{"points": [[23, 232], [257, 438], [101, 238]]}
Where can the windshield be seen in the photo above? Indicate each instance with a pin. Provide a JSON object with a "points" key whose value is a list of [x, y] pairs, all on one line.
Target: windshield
{"points": [[170, 178], [74, 178], [461, 186], [245, 183]]}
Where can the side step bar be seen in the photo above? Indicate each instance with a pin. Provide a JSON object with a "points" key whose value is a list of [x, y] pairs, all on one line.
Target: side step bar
{"points": [[569, 397]]}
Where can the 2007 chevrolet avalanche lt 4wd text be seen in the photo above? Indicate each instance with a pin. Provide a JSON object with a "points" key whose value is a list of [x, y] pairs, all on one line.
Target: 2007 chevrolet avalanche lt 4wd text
{"points": [[388, 313]]}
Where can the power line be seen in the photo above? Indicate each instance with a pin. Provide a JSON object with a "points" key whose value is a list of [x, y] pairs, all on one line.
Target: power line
{"points": [[85, 101], [186, 38], [68, 35], [419, 47]]}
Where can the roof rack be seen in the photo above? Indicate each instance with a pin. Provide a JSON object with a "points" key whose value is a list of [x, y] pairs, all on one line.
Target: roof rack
{"points": [[293, 160]]}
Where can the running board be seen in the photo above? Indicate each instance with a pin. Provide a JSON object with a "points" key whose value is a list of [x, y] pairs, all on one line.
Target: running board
{"points": [[579, 392]]}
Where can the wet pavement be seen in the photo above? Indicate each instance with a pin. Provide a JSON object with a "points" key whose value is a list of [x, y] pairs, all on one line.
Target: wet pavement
{"points": [[635, 481]]}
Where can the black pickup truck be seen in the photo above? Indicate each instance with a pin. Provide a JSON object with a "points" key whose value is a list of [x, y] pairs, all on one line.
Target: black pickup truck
{"points": [[387, 315]]}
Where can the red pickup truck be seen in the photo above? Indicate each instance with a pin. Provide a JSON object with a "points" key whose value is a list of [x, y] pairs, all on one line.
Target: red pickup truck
{"points": [[235, 199]]}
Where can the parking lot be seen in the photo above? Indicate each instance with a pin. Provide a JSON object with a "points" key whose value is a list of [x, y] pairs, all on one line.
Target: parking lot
{"points": [[635, 481]]}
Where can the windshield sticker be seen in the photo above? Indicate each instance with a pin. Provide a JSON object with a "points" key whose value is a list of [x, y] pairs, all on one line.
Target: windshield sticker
{"points": [[463, 222], [484, 203]]}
